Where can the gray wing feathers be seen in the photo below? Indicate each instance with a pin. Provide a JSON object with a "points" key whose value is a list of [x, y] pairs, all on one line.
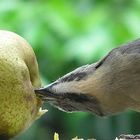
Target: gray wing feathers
{"points": [[130, 48]]}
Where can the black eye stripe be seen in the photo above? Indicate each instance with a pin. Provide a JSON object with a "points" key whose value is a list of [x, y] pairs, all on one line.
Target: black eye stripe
{"points": [[77, 98], [80, 102], [81, 98]]}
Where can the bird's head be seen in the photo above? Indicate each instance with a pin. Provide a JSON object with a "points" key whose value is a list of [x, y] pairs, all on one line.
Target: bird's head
{"points": [[73, 92]]}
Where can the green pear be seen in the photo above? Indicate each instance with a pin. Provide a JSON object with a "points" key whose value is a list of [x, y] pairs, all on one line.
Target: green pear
{"points": [[19, 76]]}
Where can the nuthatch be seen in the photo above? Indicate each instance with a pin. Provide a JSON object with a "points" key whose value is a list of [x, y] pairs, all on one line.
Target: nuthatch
{"points": [[109, 86]]}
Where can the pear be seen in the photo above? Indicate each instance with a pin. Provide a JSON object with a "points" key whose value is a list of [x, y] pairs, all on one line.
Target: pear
{"points": [[19, 76]]}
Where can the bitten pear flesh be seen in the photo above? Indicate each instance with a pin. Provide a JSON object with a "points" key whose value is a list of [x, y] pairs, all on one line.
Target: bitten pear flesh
{"points": [[19, 76]]}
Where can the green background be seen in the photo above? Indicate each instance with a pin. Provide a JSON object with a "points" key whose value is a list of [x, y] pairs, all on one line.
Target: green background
{"points": [[66, 34]]}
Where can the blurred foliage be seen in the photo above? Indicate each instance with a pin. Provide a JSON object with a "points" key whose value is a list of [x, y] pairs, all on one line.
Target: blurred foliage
{"points": [[66, 34]]}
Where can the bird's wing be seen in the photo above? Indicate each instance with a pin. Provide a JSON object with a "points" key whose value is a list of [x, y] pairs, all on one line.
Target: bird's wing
{"points": [[100, 62], [130, 48]]}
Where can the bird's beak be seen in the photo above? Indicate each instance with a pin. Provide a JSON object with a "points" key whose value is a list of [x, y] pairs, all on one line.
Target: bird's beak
{"points": [[45, 93]]}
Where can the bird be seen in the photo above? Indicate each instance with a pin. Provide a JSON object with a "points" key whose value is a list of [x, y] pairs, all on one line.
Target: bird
{"points": [[19, 76], [107, 87]]}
